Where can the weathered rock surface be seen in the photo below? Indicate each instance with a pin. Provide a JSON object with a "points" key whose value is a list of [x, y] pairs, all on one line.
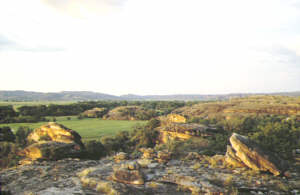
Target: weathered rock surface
{"points": [[232, 159], [54, 132], [52, 142], [255, 157], [50, 150], [182, 131], [121, 156], [74, 176], [127, 176]]}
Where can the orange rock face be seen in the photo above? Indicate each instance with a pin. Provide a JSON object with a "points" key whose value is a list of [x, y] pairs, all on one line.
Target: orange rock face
{"points": [[54, 132]]}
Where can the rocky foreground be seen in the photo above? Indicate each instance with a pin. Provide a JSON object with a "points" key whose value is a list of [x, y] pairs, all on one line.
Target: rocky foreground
{"points": [[244, 169], [152, 173]]}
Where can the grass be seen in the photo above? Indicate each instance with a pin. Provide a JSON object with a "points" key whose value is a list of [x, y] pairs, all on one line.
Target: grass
{"points": [[88, 128]]}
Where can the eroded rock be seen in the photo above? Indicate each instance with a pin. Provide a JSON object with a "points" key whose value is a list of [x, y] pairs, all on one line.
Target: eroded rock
{"points": [[50, 150], [55, 132], [232, 159], [255, 157], [124, 175]]}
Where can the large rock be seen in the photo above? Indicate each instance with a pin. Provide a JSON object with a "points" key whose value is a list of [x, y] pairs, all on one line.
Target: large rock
{"points": [[55, 132], [50, 150], [232, 159], [52, 142], [255, 157], [182, 131], [127, 176]]}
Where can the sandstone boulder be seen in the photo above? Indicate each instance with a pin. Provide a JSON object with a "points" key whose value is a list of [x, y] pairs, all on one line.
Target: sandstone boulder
{"points": [[148, 153], [127, 176], [50, 150], [255, 157], [182, 131], [121, 156], [55, 132], [163, 156], [232, 159]]}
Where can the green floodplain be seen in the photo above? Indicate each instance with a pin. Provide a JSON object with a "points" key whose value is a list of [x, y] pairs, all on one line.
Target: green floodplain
{"points": [[88, 128]]}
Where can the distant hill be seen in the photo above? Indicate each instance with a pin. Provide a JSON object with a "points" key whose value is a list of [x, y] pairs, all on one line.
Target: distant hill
{"points": [[59, 96], [20, 95], [183, 97]]}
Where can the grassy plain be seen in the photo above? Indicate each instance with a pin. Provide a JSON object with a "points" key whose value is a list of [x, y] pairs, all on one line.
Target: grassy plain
{"points": [[88, 128]]}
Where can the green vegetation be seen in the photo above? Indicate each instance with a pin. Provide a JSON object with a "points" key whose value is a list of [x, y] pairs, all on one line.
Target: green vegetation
{"points": [[16, 105], [35, 113], [88, 128]]}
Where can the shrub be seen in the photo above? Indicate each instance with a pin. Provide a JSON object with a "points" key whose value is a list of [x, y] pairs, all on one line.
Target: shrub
{"points": [[22, 134], [6, 134], [94, 150], [8, 154]]}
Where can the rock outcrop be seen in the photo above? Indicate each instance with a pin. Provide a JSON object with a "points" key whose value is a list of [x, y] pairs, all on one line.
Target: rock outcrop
{"points": [[105, 176], [54, 132], [129, 174], [52, 142], [50, 150], [244, 151], [182, 131], [232, 159]]}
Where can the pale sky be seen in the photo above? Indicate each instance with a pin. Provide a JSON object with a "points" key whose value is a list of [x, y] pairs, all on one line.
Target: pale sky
{"points": [[150, 46]]}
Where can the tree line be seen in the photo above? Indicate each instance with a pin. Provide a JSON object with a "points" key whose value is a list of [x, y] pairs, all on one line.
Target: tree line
{"points": [[38, 112]]}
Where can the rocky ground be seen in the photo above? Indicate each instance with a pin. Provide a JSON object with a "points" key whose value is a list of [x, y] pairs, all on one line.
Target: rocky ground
{"points": [[195, 174]]}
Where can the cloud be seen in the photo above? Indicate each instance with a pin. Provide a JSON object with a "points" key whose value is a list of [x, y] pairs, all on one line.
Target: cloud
{"points": [[7, 44], [285, 55], [86, 8]]}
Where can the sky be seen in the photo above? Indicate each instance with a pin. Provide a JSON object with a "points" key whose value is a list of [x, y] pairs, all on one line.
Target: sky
{"points": [[150, 46]]}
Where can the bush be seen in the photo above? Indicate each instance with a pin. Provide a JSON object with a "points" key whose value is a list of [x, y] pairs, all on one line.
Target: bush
{"points": [[6, 134], [144, 136], [21, 135], [94, 150], [8, 154]]}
